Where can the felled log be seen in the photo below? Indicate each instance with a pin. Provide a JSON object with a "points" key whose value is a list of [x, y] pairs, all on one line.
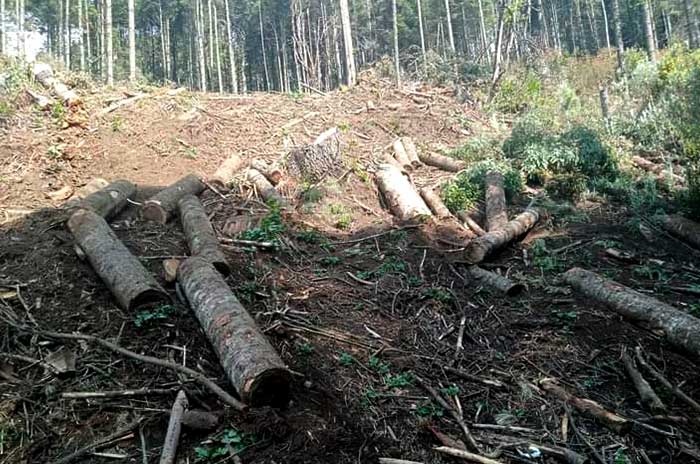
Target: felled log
{"points": [[478, 249], [401, 197], [611, 420], [388, 158], [646, 393], [170, 270], [466, 455], [435, 203], [496, 281], [200, 235], [263, 187], [661, 172], [272, 173], [469, 221], [401, 155], [442, 162], [680, 328], [496, 211], [200, 420], [172, 437], [110, 200], [121, 103], [683, 228], [411, 151], [127, 279], [44, 75], [249, 360], [41, 101], [160, 208], [221, 180]]}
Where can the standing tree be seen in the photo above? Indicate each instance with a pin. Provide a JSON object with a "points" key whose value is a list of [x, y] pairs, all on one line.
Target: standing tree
{"points": [[618, 35], [649, 31], [350, 72], [81, 37], [450, 33], [397, 63], [199, 20], [132, 41], [231, 54], [419, 8], [3, 30], [108, 41], [67, 32]]}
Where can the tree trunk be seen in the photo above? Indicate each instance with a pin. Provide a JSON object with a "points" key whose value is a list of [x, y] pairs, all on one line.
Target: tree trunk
{"points": [[401, 155], [443, 162], [66, 32], [221, 180], [617, 22], [109, 45], [110, 200], [44, 75], [450, 32], [132, 41], [469, 219], [397, 63], [499, 46], [691, 24], [683, 228], [124, 275], [495, 281], [262, 48], [231, 54], [350, 71], [480, 248], [87, 37], [172, 436], [22, 51], [649, 31], [249, 360], [81, 36], [411, 151], [482, 29], [605, 23], [604, 107], [210, 39], [264, 188], [200, 47], [217, 43], [400, 196], [200, 235], [496, 210], [161, 207], [435, 203], [680, 328], [272, 173], [419, 7], [3, 29]]}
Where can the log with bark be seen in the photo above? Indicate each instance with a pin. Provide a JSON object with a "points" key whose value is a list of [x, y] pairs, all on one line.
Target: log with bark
{"points": [[127, 279], [663, 175], [44, 75], [160, 208], [388, 158], [401, 156], [683, 228], [249, 360], [200, 235], [478, 249], [435, 203], [110, 200], [264, 188], [496, 281], [401, 197], [496, 211], [680, 328], [270, 171], [442, 162], [646, 393], [41, 101], [611, 420], [221, 180], [172, 436], [411, 151]]}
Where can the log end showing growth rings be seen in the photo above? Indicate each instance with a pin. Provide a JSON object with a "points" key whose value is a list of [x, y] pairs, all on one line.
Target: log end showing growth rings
{"points": [[153, 211], [270, 388]]}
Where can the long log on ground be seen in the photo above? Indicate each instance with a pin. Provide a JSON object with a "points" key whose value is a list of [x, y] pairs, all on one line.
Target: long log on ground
{"points": [[496, 211], [442, 162], [40, 100], [160, 208], [271, 172], [435, 203], [249, 360], [263, 187], [221, 180], [200, 235], [127, 279], [478, 249], [680, 328], [121, 103], [411, 151], [646, 393], [662, 173], [388, 158], [611, 420], [496, 281], [683, 228], [401, 155], [172, 437], [401, 197], [109, 201], [44, 75]]}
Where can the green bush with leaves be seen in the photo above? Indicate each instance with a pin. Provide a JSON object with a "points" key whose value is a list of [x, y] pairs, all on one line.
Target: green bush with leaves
{"points": [[467, 188]]}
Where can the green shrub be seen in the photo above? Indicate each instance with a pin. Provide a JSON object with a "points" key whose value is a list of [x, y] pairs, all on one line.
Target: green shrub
{"points": [[516, 93], [467, 188], [567, 186], [477, 149]]}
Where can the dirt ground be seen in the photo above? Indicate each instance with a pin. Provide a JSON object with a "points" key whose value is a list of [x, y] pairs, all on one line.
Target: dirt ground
{"points": [[361, 308]]}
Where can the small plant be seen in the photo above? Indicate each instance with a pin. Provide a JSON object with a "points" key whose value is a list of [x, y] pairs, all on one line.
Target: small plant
{"points": [[346, 359], [58, 111], [159, 313], [229, 443], [117, 124], [305, 349], [392, 265], [544, 259], [402, 380], [270, 229], [311, 194], [6, 109], [568, 316], [438, 294], [341, 216], [330, 261], [55, 151], [652, 272], [191, 152], [621, 457], [310, 236], [378, 365], [452, 390], [430, 409]]}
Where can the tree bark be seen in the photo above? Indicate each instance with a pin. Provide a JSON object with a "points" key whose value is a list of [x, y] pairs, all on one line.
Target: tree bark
{"points": [[496, 281], [443, 162], [435, 203], [450, 32], [200, 47], [249, 360], [691, 24], [401, 197], [3, 29], [127, 279], [264, 188], [496, 210], [217, 43], [680, 328], [262, 49], [685, 229], [663, 176], [605, 24], [132, 41], [471, 222], [200, 235], [108, 40], [350, 70], [88, 43], [172, 436], [81, 36], [411, 151], [419, 7], [109, 201], [620, 44], [646, 393], [221, 179], [478, 249], [161, 207], [649, 31], [401, 155]]}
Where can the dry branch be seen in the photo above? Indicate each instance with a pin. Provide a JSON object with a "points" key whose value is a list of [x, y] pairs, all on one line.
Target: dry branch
{"points": [[475, 378], [478, 249], [121, 103], [172, 437], [401, 197], [249, 360], [263, 187], [435, 203], [442, 162], [471, 223], [646, 393], [110, 200], [200, 235], [124, 275], [221, 179], [94, 446], [664, 381], [496, 211], [116, 393], [681, 329], [496, 281], [161, 207], [683, 228], [401, 155]]}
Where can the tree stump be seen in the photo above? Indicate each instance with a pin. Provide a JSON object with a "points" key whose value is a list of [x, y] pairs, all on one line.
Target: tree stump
{"points": [[200, 235], [315, 162], [160, 207]]}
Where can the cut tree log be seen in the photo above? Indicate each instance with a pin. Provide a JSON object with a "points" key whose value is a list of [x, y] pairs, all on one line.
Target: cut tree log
{"points": [[249, 360], [466, 455], [160, 208], [611, 420], [221, 180], [41, 101], [401, 197], [411, 151], [496, 281], [110, 200], [200, 235], [121, 103], [172, 437], [124, 275], [170, 270], [44, 75], [646, 393], [663, 174], [496, 210], [478, 249], [388, 158], [470, 222], [435, 203], [683, 228], [442, 162], [264, 188], [200, 420], [270, 171], [401, 155], [680, 328]]}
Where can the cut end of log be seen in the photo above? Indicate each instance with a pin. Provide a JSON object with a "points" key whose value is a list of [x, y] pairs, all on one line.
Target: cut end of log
{"points": [[270, 388], [153, 211]]}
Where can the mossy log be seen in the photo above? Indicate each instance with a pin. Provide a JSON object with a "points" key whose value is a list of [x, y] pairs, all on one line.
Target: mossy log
{"points": [[496, 211], [435, 203], [200, 235], [411, 151], [401, 197], [683, 228], [264, 188], [249, 360], [109, 201], [442, 162], [478, 249], [160, 208], [221, 180], [496, 281], [127, 279], [680, 328], [401, 155]]}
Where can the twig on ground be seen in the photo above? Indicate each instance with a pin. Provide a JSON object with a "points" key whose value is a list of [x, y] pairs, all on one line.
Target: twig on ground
{"points": [[117, 393], [172, 437], [466, 455], [94, 446]]}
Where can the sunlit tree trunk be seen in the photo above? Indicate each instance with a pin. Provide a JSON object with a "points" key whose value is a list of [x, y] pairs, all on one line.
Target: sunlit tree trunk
{"points": [[691, 24], [87, 36], [18, 15], [67, 32], [397, 63], [3, 29], [200, 46], [450, 33], [109, 44], [350, 71], [618, 35], [231, 54], [164, 53], [210, 39], [132, 41], [419, 8], [262, 48], [648, 31], [497, 56], [217, 43], [482, 27], [81, 37], [605, 22]]}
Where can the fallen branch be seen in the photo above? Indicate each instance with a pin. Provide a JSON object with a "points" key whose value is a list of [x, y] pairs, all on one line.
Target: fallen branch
{"points": [[466, 455], [294, 122], [121, 103], [479, 248], [496, 281], [646, 393], [172, 437], [664, 381], [471, 223], [200, 235], [95, 446], [475, 378], [160, 208], [116, 393]]}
